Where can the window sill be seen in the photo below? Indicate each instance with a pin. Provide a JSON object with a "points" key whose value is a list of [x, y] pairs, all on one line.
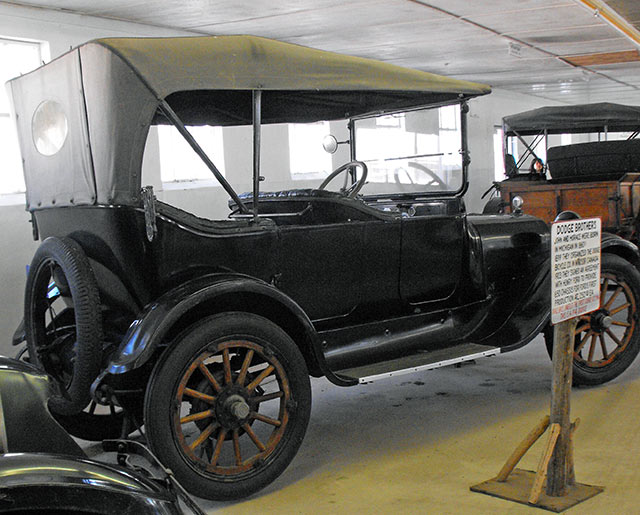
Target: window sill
{"points": [[189, 185], [12, 199]]}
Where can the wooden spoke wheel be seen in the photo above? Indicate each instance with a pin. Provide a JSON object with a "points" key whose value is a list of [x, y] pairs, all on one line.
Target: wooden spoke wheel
{"points": [[230, 402], [607, 340], [228, 405]]}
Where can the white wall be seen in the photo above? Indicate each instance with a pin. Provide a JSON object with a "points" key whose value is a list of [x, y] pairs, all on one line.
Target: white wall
{"points": [[64, 31]]}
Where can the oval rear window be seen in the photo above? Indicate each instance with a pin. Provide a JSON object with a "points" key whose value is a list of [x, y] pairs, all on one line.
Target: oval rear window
{"points": [[49, 127]]}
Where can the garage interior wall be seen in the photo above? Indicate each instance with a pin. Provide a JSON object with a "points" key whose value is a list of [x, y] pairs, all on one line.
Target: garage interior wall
{"points": [[63, 31]]}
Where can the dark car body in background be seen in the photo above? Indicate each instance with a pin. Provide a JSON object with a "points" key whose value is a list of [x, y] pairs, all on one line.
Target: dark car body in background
{"points": [[43, 469]]}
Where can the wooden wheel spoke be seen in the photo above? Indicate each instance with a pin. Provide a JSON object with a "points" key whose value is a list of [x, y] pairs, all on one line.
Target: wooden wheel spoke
{"points": [[613, 297], [254, 437], [619, 308], [614, 338], [236, 447], [216, 452], [621, 324], [199, 395], [227, 366], [203, 436], [207, 373], [268, 397], [265, 419], [603, 346], [583, 341], [197, 416], [263, 375], [245, 367], [584, 327], [603, 289], [592, 347]]}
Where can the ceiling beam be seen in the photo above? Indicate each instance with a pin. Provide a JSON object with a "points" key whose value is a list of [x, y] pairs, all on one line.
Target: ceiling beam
{"points": [[601, 10], [602, 58]]}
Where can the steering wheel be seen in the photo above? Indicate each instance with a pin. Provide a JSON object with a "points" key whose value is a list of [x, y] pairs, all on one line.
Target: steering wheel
{"points": [[434, 180], [352, 190]]}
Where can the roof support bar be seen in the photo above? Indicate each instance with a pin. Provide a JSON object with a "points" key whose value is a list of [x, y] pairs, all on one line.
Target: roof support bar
{"points": [[542, 135], [177, 123], [464, 149], [257, 121]]}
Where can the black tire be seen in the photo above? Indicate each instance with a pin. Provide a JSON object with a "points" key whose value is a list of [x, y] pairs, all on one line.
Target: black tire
{"points": [[96, 423], [63, 322], [603, 353], [495, 206], [207, 449]]}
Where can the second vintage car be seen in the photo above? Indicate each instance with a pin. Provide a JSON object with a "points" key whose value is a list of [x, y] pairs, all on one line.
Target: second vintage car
{"points": [[206, 331]]}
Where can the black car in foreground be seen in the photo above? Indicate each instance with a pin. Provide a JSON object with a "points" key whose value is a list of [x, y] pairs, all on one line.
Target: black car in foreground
{"points": [[206, 331]]}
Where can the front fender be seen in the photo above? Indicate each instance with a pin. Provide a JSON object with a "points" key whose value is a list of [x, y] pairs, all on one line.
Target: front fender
{"points": [[624, 248], [149, 330]]}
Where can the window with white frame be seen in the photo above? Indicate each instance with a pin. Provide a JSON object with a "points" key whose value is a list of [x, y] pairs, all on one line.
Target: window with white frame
{"points": [[498, 155], [307, 158], [180, 163], [16, 57]]}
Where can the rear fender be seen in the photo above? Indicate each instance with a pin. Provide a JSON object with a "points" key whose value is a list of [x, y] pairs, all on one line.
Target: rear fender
{"points": [[184, 305]]}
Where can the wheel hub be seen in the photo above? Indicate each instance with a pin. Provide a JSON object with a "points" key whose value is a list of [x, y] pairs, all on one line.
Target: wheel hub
{"points": [[237, 407], [232, 407], [601, 321]]}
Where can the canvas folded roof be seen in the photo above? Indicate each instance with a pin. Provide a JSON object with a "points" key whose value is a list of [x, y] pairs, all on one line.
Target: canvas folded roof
{"points": [[207, 79], [249, 62], [574, 119], [110, 91]]}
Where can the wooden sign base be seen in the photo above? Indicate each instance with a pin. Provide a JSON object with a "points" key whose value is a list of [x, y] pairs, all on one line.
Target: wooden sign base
{"points": [[518, 489], [555, 471]]}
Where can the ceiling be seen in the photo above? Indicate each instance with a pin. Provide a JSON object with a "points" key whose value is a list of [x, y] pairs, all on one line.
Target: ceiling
{"points": [[562, 50]]}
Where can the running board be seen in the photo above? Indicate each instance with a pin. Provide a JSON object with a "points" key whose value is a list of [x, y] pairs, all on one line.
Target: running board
{"points": [[423, 360]]}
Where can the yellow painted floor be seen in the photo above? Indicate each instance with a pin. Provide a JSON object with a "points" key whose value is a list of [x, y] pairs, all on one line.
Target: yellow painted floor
{"points": [[415, 444]]}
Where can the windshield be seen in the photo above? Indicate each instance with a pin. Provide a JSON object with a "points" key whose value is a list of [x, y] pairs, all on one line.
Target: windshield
{"points": [[407, 153], [412, 152]]}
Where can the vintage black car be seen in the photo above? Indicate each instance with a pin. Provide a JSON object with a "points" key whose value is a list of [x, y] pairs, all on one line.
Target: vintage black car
{"points": [[206, 331]]}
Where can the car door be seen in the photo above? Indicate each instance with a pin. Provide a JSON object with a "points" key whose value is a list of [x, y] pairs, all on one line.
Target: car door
{"points": [[431, 257], [334, 268]]}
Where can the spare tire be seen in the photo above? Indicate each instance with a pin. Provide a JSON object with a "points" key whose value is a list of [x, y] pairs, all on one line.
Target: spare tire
{"points": [[63, 323]]}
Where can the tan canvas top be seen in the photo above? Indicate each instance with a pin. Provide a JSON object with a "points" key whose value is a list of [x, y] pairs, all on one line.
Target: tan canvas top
{"points": [[109, 91], [249, 62]]}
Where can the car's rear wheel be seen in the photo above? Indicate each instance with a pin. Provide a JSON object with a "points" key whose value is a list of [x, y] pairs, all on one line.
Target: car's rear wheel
{"points": [[228, 405], [607, 340]]}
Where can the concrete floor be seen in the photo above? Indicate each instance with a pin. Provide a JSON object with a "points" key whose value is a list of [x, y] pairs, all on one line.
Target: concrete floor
{"points": [[416, 443]]}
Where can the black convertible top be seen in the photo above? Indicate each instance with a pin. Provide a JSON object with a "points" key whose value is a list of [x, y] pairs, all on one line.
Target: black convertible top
{"points": [[581, 118]]}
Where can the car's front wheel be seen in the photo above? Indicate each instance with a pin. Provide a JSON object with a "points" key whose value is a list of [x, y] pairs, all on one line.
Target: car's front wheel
{"points": [[228, 404], [607, 340]]}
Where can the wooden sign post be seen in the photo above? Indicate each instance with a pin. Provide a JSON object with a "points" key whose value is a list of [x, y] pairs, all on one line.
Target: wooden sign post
{"points": [[575, 290]]}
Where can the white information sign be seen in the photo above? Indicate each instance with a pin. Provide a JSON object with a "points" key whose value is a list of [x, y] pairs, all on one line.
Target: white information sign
{"points": [[575, 268]]}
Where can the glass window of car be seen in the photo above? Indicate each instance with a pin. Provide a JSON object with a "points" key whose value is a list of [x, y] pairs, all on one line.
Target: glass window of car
{"points": [[411, 152]]}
